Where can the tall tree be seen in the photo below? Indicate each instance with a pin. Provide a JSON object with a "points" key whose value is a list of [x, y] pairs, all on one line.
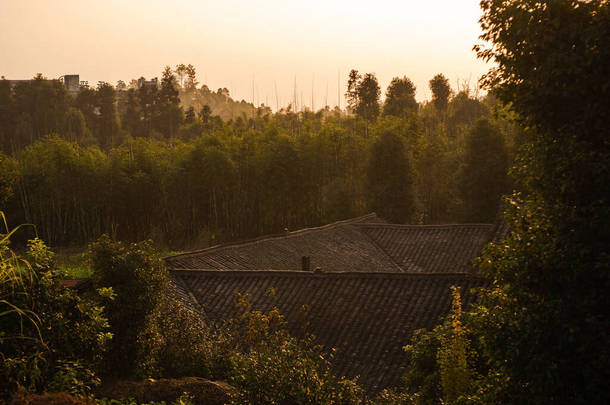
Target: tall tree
{"points": [[24, 132], [108, 116], [148, 100], [168, 110], [546, 324], [368, 98], [439, 85], [46, 102], [484, 177], [352, 90], [131, 120], [189, 115], [191, 78], [7, 116], [389, 179], [76, 127], [205, 113], [181, 71], [86, 101], [463, 112], [400, 97], [436, 168]]}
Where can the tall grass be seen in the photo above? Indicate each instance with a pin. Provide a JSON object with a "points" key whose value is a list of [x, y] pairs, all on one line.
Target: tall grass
{"points": [[15, 275]]}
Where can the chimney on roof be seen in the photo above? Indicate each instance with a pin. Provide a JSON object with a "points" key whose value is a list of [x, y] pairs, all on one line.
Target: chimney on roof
{"points": [[305, 263]]}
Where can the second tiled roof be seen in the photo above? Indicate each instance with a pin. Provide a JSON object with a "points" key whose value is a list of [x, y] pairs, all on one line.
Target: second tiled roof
{"points": [[358, 245]]}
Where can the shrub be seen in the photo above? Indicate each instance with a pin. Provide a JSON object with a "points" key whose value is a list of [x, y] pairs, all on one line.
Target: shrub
{"points": [[74, 378], [44, 326], [273, 367], [422, 376], [187, 344], [184, 399], [442, 364], [285, 370], [394, 397], [139, 278]]}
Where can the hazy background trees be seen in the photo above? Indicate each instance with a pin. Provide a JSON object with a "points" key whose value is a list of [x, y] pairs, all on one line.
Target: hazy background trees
{"points": [[400, 98], [439, 85], [389, 181], [137, 161], [483, 178]]}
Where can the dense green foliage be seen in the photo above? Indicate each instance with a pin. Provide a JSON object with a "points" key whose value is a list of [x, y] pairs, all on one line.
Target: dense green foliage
{"points": [[544, 325], [139, 279], [184, 399], [440, 92], [144, 168], [539, 332], [482, 179], [444, 366], [140, 166], [400, 98], [390, 179], [156, 335], [273, 367], [50, 338]]}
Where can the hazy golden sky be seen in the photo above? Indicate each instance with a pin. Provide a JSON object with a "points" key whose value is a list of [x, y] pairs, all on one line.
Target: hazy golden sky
{"points": [[235, 43]]}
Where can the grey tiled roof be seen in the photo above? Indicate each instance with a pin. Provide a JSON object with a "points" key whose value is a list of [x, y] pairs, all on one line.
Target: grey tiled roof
{"points": [[361, 244], [367, 317], [431, 248], [380, 282]]}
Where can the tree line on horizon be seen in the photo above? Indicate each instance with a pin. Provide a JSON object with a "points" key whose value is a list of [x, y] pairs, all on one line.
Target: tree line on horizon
{"points": [[136, 163]]}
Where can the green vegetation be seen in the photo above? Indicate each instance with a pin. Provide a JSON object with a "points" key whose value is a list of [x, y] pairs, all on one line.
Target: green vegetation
{"points": [[182, 400], [389, 180], [80, 167], [273, 367], [482, 177], [50, 338], [130, 326], [74, 265], [537, 336], [139, 279], [151, 167], [548, 311]]}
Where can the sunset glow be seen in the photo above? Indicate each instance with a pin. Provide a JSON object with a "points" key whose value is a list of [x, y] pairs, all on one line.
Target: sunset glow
{"points": [[249, 47]]}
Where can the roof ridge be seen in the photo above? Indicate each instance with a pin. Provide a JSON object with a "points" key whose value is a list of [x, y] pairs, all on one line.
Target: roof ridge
{"points": [[246, 242], [180, 284], [381, 249], [406, 226], [345, 274], [499, 230]]}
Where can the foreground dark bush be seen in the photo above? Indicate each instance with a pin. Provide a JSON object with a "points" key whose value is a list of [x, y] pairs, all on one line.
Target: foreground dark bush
{"points": [[139, 279], [50, 337], [188, 346], [272, 367]]}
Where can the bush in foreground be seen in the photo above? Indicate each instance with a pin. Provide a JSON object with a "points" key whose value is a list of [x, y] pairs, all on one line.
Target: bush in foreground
{"points": [[50, 338]]}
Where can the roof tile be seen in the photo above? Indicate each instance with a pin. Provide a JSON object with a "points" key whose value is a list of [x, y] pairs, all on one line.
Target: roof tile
{"points": [[368, 317]]}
